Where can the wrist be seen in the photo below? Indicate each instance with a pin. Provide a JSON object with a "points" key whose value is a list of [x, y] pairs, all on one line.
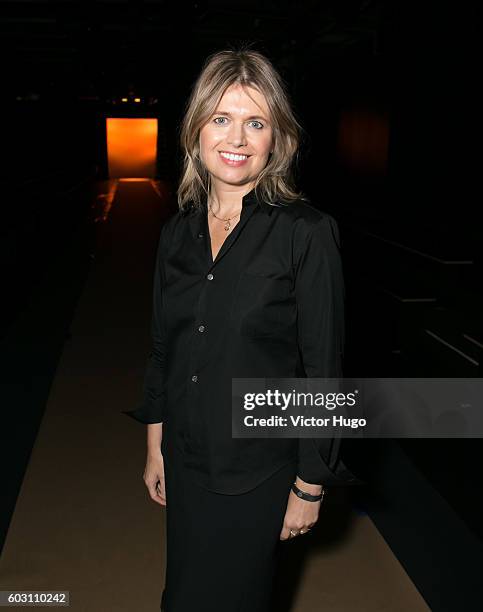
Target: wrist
{"points": [[313, 489], [154, 451], [306, 496]]}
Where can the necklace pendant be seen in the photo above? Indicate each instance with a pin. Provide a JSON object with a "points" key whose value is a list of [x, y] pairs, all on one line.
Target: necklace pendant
{"points": [[227, 226]]}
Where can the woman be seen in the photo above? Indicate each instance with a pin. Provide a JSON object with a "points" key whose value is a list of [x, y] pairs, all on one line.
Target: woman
{"points": [[248, 283]]}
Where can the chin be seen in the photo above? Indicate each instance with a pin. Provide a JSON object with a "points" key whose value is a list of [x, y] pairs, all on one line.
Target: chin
{"points": [[231, 177]]}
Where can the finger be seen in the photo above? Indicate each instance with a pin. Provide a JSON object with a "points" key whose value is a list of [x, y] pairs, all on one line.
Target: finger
{"points": [[153, 492], [162, 491], [285, 533]]}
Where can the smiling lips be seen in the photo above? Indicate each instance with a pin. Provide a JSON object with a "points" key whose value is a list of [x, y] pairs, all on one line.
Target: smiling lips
{"points": [[233, 159]]}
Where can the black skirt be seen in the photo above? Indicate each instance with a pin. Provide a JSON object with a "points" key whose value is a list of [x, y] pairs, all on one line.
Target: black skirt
{"points": [[222, 549]]}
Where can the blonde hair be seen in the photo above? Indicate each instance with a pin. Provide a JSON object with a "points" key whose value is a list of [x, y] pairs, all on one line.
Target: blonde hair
{"points": [[247, 68]]}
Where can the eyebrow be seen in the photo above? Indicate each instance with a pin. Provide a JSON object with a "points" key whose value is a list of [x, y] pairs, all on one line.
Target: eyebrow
{"points": [[220, 112]]}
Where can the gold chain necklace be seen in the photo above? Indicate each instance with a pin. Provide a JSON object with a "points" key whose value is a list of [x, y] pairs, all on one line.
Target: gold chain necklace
{"points": [[227, 225]]}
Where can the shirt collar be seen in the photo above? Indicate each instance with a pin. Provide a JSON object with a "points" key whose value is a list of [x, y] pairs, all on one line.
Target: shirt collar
{"points": [[251, 199], [248, 200]]}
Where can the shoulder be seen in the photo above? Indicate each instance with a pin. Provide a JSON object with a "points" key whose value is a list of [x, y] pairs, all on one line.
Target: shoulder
{"points": [[170, 226], [305, 220]]}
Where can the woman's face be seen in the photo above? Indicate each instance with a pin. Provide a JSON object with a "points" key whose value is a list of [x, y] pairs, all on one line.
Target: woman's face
{"points": [[240, 125]]}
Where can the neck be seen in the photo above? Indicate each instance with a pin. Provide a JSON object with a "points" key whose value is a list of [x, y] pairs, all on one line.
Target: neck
{"points": [[225, 200]]}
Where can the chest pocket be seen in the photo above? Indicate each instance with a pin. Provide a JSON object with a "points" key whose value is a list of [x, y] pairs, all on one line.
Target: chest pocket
{"points": [[262, 305]]}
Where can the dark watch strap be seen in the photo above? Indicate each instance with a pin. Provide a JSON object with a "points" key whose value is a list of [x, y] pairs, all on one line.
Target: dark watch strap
{"points": [[307, 496]]}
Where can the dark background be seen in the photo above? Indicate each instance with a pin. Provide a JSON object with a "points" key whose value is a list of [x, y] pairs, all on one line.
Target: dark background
{"points": [[387, 95]]}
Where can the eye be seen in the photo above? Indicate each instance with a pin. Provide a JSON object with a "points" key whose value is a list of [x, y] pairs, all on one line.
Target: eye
{"points": [[260, 124], [216, 120]]}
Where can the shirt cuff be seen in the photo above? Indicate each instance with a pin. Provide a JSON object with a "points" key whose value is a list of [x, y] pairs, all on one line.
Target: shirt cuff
{"points": [[147, 413], [312, 469]]}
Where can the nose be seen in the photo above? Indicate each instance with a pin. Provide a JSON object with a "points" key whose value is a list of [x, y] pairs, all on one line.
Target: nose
{"points": [[236, 135]]}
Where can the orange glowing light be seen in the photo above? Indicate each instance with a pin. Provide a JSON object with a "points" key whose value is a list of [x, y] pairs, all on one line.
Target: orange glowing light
{"points": [[133, 180], [131, 147]]}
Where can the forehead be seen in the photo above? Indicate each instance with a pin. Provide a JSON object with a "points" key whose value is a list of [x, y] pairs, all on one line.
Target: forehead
{"points": [[243, 99]]}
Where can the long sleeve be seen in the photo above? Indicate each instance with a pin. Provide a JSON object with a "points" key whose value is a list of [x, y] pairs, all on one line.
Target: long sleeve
{"points": [[151, 408], [320, 295]]}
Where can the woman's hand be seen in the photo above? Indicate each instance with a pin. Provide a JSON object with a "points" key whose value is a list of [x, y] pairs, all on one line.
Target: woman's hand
{"points": [[301, 515], [154, 477]]}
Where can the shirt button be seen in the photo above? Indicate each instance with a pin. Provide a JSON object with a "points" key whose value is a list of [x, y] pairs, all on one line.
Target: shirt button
{"points": [[201, 328], [209, 276], [200, 235], [194, 378]]}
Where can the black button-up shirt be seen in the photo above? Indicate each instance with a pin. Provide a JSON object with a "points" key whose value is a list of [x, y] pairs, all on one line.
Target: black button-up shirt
{"points": [[271, 304]]}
